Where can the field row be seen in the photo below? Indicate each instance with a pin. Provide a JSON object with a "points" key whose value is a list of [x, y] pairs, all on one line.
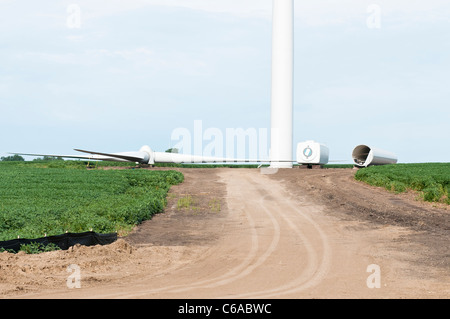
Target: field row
{"points": [[36, 201], [431, 180]]}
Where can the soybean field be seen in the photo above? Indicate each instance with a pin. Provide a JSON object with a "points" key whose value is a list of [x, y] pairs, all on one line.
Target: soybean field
{"points": [[44, 199], [431, 180]]}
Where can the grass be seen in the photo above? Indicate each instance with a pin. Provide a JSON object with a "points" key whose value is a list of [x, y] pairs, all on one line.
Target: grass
{"points": [[431, 180], [338, 166], [192, 204], [215, 205], [187, 202]]}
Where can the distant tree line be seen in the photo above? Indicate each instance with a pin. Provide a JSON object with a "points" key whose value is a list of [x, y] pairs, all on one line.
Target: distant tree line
{"points": [[13, 158], [18, 158]]}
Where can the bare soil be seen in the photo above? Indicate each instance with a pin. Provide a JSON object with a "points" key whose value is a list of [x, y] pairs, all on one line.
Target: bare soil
{"points": [[241, 233]]}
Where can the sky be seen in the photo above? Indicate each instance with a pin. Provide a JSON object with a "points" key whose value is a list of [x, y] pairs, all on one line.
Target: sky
{"points": [[115, 75]]}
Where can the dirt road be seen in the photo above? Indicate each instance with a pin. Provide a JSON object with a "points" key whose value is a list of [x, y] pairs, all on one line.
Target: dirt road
{"points": [[237, 233]]}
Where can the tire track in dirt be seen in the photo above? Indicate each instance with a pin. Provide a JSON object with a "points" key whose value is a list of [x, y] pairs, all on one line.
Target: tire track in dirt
{"points": [[317, 263], [273, 235], [256, 256]]}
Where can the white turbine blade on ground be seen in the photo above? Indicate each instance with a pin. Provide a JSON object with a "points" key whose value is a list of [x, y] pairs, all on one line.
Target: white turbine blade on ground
{"points": [[162, 157], [140, 157], [88, 157], [159, 157]]}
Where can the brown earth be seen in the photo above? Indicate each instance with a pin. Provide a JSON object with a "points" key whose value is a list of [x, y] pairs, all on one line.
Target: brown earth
{"points": [[244, 233]]}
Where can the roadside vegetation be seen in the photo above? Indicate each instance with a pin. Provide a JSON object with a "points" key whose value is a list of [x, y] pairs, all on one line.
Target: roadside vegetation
{"points": [[45, 198], [431, 180]]}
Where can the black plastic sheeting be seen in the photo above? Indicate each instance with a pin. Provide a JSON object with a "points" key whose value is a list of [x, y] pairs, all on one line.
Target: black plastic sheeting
{"points": [[64, 241]]}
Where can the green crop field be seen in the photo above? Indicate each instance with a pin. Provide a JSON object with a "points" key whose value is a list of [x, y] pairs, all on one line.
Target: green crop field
{"points": [[38, 198], [431, 180]]}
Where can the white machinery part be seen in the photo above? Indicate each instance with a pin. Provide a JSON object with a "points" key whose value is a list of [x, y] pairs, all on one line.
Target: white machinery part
{"points": [[365, 156], [312, 153]]}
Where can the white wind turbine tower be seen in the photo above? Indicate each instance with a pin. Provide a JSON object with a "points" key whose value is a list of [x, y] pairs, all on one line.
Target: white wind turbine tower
{"points": [[282, 84]]}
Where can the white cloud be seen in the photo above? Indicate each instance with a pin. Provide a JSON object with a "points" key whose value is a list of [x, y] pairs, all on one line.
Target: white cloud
{"points": [[310, 13], [91, 57], [96, 8], [313, 13], [330, 12]]}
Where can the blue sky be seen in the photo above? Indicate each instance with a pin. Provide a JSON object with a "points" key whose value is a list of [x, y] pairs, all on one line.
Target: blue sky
{"points": [[128, 73]]}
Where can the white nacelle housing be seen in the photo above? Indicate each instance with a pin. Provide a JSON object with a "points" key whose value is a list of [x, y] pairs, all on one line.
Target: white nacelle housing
{"points": [[313, 153]]}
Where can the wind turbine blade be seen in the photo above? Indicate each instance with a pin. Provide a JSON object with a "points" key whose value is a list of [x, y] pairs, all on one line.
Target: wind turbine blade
{"points": [[140, 157], [162, 157], [90, 157]]}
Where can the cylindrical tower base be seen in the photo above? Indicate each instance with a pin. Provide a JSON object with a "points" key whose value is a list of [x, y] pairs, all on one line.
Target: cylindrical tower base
{"points": [[282, 84]]}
